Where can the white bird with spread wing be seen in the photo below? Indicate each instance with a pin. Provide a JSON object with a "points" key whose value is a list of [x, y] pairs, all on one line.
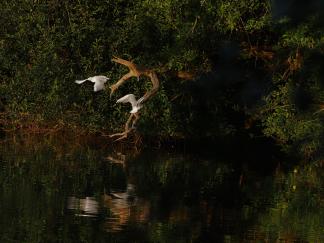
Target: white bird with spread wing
{"points": [[136, 104], [99, 82]]}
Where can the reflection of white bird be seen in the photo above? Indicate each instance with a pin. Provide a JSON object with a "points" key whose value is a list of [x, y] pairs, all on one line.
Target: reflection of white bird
{"points": [[87, 207], [99, 82], [136, 104]]}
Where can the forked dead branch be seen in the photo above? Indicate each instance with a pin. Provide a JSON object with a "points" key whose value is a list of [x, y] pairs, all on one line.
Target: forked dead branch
{"points": [[134, 71]]}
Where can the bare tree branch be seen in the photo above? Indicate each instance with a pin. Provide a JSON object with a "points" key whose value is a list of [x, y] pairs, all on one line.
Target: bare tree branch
{"points": [[134, 71]]}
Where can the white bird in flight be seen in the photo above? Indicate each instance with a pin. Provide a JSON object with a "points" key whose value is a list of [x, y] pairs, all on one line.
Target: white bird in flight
{"points": [[136, 104], [99, 82]]}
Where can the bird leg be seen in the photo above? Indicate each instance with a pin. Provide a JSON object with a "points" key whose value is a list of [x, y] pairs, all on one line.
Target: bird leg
{"points": [[134, 71]]}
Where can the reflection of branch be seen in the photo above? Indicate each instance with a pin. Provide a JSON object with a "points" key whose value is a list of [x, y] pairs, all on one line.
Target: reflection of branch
{"points": [[115, 161], [134, 71], [121, 160]]}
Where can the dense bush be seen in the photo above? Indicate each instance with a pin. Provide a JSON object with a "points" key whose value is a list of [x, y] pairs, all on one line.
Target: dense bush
{"points": [[257, 65]]}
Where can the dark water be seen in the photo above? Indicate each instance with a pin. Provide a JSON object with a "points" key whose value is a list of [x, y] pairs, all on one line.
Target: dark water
{"points": [[64, 189]]}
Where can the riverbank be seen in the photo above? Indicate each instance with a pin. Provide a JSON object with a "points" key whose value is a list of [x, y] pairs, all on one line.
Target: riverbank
{"points": [[252, 144], [253, 149]]}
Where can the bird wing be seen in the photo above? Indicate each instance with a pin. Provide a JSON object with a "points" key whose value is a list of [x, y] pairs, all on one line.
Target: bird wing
{"points": [[80, 81], [98, 86], [100, 78], [127, 98], [140, 100]]}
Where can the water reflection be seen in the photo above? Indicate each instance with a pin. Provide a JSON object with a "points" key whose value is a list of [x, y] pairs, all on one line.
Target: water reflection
{"points": [[125, 207], [83, 190], [117, 158], [85, 207]]}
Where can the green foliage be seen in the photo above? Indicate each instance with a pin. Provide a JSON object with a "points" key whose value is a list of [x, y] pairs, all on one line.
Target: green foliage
{"points": [[243, 53], [292, 111], [53, 43]]}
